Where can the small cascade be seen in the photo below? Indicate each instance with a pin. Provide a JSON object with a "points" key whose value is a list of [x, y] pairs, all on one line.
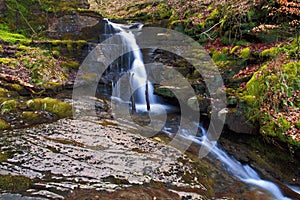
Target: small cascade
{"points": [[243, 172], [134, 65]]}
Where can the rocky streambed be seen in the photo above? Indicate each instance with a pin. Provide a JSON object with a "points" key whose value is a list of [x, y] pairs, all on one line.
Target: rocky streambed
{"points": [[102, 159]]}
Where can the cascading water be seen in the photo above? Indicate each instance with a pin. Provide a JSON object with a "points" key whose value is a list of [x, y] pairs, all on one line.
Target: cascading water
{"points": [[138, 75], [243, 172], [139, 80]]}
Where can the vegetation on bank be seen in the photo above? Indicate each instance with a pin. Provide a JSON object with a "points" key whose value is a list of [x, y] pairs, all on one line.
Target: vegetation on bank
{"points": [[28, 72], [256, 46]]}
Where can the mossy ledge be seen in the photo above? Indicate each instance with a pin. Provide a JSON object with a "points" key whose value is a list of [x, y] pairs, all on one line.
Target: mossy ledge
{"points": [[59, 108]]}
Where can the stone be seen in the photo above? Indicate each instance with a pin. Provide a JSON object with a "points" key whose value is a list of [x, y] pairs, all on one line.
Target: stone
{"points": [[87, 26], [237, 123]]}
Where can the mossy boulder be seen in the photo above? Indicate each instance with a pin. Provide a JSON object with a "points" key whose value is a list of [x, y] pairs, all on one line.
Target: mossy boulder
{"points": [[269, 53], [54, 106], [245, 53], [31, 117]]}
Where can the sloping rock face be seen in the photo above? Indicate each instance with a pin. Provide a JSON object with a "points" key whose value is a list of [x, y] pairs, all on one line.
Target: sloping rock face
{"points": [[87, 26], [72, 153]]}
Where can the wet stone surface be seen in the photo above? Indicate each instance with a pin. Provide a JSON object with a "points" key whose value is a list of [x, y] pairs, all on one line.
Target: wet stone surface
{"points": [[70, 154]]}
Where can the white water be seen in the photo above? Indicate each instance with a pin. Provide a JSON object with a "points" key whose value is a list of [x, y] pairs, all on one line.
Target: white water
{"points": [[137, 70], [244, 172]]}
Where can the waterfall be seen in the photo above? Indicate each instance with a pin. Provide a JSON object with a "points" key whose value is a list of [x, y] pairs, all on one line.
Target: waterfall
{"points": [[137, 71], [243, 172], [139, 79]]}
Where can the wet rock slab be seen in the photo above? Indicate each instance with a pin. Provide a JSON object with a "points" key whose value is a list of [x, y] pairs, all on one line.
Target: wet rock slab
{"points": [[71, 154]]}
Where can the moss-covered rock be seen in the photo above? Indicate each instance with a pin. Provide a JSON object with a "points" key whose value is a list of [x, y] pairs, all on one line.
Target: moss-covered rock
{"points": [[54, 106], [8, 106], [31, 117], [245, 53], [270, 53]]}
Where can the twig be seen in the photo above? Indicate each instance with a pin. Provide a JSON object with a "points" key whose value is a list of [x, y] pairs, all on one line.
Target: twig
{"points": [[206, 32]]}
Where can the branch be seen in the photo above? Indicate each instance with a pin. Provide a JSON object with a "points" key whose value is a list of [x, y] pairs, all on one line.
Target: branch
{"points": [[11, 78], [26, 21], [206, 32]]}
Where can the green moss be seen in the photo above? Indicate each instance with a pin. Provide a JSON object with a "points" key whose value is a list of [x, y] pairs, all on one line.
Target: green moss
{"points": [[4, 125], [234, 49], [8, 106], [70, 65], [57, 107], [256, 85], [218, 57], [225, 50], [272, 52], [89, 76], [269, 129], [55, 54], [70, 47], [245, 53], [17, 87], [163, 11], [54, 86], [12, 38], [291, 69], [3, 92], [30, 117], [213, 15], [56, 42], [297, 125], [14, 183], [7, 61], [283, 124]]}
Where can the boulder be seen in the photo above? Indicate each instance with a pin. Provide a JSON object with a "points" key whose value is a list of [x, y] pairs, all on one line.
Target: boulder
{"points": [[75, 26], [236, 122]]}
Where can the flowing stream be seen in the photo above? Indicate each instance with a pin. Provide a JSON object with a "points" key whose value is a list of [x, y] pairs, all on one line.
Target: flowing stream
{"points": [[139, 79], [244, 172]]}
